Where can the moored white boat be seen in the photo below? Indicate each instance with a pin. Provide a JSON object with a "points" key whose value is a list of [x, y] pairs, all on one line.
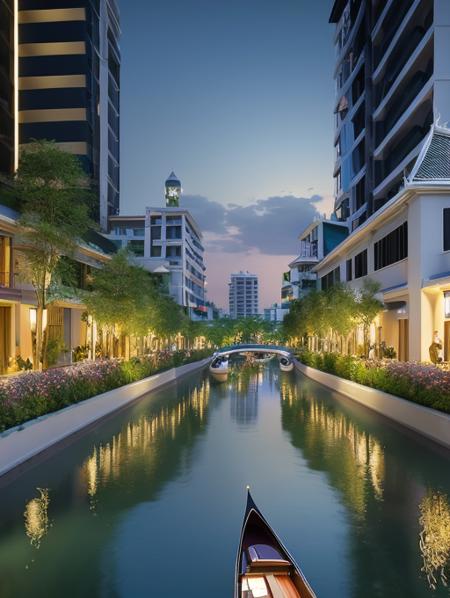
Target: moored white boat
{"points": [[286, 364], [218, 367]]}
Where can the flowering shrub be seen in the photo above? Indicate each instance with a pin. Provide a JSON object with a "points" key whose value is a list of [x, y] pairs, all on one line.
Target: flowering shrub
{"points": [[37, 393], [418, 382]]}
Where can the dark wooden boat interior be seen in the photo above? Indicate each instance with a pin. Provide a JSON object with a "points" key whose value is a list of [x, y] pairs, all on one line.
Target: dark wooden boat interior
{"points": [[265, 568]]}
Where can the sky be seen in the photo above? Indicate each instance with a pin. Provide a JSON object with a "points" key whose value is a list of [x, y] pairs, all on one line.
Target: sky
{"points": [[236, 97]]}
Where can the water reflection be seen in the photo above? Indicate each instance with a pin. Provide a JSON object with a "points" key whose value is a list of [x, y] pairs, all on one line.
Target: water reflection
{"points": [[244, 384], [36, 517], [435, 538], [141, 442], [334, 442]]}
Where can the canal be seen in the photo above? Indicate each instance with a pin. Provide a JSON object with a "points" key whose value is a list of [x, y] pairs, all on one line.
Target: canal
{"points": [[150, 502]]}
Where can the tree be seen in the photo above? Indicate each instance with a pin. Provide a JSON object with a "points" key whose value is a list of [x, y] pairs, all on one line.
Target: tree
{"points": [[368, 306], [125, 300], [54, 203]]}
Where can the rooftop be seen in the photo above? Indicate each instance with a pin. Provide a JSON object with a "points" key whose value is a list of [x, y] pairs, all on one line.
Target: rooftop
{"points": [[433, 163]]}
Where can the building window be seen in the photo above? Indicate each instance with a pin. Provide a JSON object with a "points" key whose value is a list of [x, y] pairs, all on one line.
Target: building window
{"points": [[393, 247], [136, 247], [330, 279], [361, 264], [447, 304], [349, 270], [173, 251], [5, 261], [156, 251], [156, 232], [446, 229]]}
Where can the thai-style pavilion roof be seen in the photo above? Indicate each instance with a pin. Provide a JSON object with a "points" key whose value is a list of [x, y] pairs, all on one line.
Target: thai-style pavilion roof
{"points": [[433, 163]]}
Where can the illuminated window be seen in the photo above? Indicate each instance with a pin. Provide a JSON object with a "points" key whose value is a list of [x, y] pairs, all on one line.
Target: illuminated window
{"points": [[447, 304]]}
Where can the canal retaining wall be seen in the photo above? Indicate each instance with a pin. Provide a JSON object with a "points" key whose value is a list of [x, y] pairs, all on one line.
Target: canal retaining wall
{"points": [[433, 424], [20, 444]]}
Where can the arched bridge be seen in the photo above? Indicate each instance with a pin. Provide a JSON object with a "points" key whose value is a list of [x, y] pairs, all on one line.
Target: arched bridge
{"points": [[254, 348]]}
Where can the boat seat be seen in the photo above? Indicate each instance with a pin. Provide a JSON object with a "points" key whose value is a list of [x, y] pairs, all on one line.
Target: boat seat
{"points": [[255, 587], [282, 586]]}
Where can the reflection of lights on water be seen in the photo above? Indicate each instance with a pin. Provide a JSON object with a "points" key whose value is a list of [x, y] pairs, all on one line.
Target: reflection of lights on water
{"points": [[362, 456], [434, 540], [36, 517], [137, 439]]}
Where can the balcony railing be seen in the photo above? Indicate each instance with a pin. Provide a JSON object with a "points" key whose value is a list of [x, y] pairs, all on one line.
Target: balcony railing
{"points": [[308, 249]]}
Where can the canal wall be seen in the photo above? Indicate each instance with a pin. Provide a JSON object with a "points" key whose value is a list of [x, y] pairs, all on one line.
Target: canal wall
{"points": [[433, 424], [22, 443]]}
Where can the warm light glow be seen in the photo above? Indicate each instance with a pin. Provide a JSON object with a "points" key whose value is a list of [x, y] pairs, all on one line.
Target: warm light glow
{"points": [[16, 84], [434, 539], [447, 304], [36, 517], [33, 319]]}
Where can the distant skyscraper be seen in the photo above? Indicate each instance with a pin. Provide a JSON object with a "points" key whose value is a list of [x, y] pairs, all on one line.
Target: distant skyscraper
{"points": [[173, 191], [69, 85], [243, 295], [8, 87]]}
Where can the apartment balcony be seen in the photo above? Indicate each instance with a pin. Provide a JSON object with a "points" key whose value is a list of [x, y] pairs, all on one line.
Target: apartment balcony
{"points": [[349, 36], [397, 81], [416, 90], [406, 45], [392, 22], [417, 114], [403, 140]]}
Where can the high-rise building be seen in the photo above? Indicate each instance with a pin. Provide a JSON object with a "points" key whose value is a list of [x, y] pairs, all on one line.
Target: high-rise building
{"points": [[243, 295], [167, 241], [8, 86], [69, 85], [392, 79], [393, 170]]}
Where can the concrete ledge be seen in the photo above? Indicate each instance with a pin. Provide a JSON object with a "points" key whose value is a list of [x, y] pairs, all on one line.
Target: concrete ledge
{"points": [[22, 443], [433, 424]]}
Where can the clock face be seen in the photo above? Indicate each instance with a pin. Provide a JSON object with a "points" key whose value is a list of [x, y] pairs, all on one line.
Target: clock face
{"points": [[172, 192]]}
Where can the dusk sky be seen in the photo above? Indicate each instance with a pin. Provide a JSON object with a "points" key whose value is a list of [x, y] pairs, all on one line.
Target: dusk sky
{"points": [[236, 97]]}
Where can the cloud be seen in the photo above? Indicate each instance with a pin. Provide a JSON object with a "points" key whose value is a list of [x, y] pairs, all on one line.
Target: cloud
{"points": [[270, 226], [210, 215]]}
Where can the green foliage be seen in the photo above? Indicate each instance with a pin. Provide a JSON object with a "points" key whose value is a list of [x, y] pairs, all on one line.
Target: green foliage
{"points": [[414, 382], [225, 331], [126, 298], [55, 206], [25, 397], [333, 313], [24, 364], [55, 347], [80, 352]]}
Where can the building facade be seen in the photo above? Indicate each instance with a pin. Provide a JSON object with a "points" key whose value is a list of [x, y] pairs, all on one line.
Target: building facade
{"points": [[64, 320], [405, 247], [167, 242], [69, 86], [316, 241], [392, 78], [243, 295], [8, 87], [276, 312]]}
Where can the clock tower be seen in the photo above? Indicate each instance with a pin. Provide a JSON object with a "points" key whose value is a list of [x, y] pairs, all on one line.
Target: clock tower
{"points": [[173, 191]]}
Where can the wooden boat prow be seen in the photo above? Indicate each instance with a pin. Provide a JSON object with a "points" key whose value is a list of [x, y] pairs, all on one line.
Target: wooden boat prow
{"points": [[264, 567]]}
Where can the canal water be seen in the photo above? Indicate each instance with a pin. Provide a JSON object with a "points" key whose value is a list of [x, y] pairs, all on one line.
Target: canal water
{"points": [[150, 503]]}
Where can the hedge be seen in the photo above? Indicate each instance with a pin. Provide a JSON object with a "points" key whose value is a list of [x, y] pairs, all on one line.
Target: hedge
{"points": [[34, 394], [422, 383]]}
